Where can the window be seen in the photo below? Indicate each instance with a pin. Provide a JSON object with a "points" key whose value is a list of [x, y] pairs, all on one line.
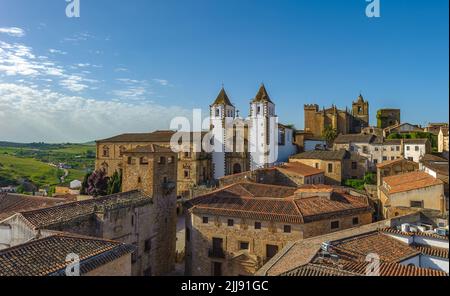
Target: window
{"points": [[355, 221], [408, 148], [384, 158], [230, 222], [257, 225], [187, 174], [143, 160], [132, 220], [354, 165], [416, 204], [139, 180], [398, 148], [375, 161], [205, 220], [259, 110], [170, 159], [330, 167], [187, 155], [244, 246], [410, 159], [287, 228], [148, 245], [105, 151], [162, 160], [335, 225], [376, 149], [271, 251], [130, 160], [217, 112], [365, 150], [393, 158], [417, 148], [317, 165]]}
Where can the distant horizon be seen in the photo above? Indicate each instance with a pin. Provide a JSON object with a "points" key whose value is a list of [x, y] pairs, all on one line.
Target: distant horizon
{"points": [[133, 68]]}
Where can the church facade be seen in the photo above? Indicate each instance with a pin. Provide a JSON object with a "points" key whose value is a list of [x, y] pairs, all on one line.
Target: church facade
{"points": [[255, 142], [343, 121]]}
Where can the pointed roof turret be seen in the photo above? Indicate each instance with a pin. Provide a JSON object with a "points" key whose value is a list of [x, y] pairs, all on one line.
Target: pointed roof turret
{"points": [[360, 99], [222, 98], [262, 95]]}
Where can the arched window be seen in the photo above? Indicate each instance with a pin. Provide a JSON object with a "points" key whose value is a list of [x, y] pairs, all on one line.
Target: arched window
{"points": [[105, 167], [105, 151], [237, 168]]}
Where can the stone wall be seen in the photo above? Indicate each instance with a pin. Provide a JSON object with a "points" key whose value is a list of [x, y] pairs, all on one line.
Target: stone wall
{"points": [[334, 177], [119, 267], [199, 262]]}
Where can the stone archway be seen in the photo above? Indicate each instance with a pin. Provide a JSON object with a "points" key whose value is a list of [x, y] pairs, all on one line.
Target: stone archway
{"points": [[237, 169]]}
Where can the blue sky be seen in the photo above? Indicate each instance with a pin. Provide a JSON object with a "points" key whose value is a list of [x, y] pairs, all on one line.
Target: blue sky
{"points": [[130, 66]]}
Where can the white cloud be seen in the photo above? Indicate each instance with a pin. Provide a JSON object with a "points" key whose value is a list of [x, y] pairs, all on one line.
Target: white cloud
{"points": [[19, 60], [57, 51], [13, 31], [162, 82], [35, 114]]}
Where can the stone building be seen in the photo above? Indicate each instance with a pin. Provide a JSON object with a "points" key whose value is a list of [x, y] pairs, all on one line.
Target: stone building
{"points": [[235, 230], [194, 168], [47, 256], [338, 165], [391, 168], [345, 254], [344, 121], [443, 140], [435, 128], [416, 190], [388, 117], [289, 174], [147, 222]]}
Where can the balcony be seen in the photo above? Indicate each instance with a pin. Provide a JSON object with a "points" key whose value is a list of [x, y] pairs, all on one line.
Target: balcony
{"points": [[216, 253]]}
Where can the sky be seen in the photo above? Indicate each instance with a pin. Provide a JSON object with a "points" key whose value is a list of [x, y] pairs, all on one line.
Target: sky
{"points": [[131, 66]]}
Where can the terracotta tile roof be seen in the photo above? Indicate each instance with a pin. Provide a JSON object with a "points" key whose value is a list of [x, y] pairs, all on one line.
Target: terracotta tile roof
{"points": [[432, 251], [152, 148], [318, 208], [435, 163], [262, 95], [409, 181], [354, 138], [304, 251], [11, 204], [391, 162], [274, 203], [47, 256], [316, 270], [222, 98], [323, 155], [393, 269], [50, 216], [300, 169], [422, 234], [155, 137], [390, 250]]}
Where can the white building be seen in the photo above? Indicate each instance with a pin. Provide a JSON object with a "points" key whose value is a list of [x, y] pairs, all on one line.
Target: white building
{"points": [[268, 142]]}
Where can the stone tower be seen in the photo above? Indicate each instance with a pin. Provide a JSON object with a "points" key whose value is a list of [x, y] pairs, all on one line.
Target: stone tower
{"points": [[361, 111], [152, 169], [263, 131], [221, 112]]}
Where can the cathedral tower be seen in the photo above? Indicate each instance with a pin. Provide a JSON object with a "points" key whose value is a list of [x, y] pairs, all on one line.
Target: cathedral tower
{"points": [[263, 130], [361, 111], [221, 111]]}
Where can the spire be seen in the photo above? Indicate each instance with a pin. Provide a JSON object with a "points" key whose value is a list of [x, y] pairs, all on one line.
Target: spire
{"points": [[360, 98], [262, 95], [222, 98]]}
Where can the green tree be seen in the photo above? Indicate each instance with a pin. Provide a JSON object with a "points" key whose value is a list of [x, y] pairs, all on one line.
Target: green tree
{"points": [[115, 183], [85, 184], [329, 134]]}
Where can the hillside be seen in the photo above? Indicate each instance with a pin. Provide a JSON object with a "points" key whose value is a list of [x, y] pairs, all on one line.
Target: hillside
{"points": [[37, 162]]}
